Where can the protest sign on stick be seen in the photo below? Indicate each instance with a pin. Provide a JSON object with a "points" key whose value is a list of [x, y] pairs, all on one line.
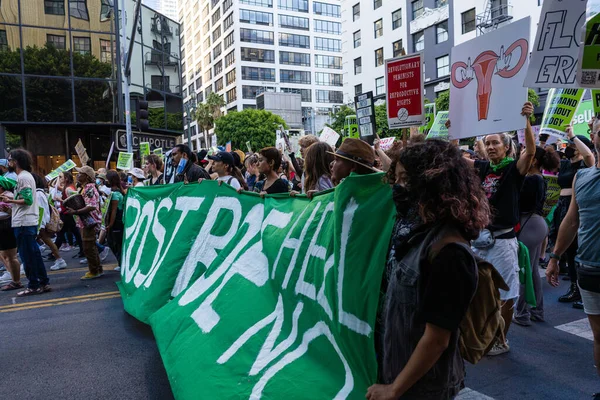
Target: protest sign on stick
{"points": [[556, 48], [67, 166], [125, 161], [429, 118], [144, 150], [486, 82], [81, 153], [589, 54], [329, 136], [561, 105], [438, 128], [386, 143], [404, 88]]}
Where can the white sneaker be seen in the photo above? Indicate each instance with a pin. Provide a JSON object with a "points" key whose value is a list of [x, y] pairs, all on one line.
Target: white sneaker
{"points": [[59, 264], [104, 253], [22, 269], [499, 348], [5, 277], [43, 248], [117, 268], [66, 247], [83, 261]]}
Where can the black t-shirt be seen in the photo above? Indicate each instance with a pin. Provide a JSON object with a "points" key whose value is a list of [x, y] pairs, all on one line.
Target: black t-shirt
{"points": [[567, 171], [448, 285], [279, 186], [502, 189], [533, 195]]}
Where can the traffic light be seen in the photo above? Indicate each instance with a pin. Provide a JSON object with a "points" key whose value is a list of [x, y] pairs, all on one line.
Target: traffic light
{"points": [[141, 115]]}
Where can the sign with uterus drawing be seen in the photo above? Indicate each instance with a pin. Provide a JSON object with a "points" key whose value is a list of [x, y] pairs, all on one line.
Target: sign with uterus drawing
{"points": [[486, 82]]}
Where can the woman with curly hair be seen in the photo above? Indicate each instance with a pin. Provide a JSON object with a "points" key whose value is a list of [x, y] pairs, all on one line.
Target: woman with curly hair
{"points": [[437, 196]]}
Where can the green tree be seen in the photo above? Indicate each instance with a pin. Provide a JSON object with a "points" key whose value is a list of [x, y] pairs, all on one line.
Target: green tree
{"points": [[209, 111], [381, 121], [256, 126], [339, 118], [442, 102]]}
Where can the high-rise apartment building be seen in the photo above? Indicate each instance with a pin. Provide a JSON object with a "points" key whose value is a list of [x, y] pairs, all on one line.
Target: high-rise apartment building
{"points": [[240, 48], [168, 8]]}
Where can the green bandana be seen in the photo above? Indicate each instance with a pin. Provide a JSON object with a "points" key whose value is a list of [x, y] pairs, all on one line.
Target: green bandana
{"points": [[505, 161]]}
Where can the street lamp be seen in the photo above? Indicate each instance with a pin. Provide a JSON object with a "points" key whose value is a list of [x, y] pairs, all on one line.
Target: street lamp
{"points": [[190, 107]]}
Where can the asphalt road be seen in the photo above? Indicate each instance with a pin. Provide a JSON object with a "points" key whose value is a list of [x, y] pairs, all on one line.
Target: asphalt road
{"points": [[77, 343]]}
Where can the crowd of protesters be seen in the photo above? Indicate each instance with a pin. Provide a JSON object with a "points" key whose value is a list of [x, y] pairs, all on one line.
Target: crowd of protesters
{"points": [[484, 203]]}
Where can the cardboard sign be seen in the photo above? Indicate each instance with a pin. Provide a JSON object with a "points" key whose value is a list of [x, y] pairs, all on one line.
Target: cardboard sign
{"points": [[404, 87], [429, 118], [555, 52], [560, 109], [438, 129], [486, 82], [67, 166], [329, 136], [81, 153], [365, 115], [386, 143], [125, 161]]}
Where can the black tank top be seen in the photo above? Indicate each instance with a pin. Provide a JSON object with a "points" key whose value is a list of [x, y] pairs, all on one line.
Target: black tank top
{"points": [[567, 171]]}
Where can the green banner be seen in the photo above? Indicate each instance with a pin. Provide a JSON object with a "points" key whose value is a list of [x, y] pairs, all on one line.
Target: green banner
{"points": [[67, 166], [438, 128], [125, 161], [252, 297], [561, 105], [589, 54], [429, 118]]}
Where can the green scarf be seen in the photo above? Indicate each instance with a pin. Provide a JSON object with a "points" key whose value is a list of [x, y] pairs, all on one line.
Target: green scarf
{"points": [[505, 161]]}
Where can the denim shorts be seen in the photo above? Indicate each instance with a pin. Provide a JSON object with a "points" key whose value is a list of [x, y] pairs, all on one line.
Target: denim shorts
{"points": [[591, 302]]}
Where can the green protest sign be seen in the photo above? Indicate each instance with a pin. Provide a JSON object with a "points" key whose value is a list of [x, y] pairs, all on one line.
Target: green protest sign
{"points": [[589, 54], [438, 128], [429, 118], [584, 113], [561, 105], [258, 292], [125, 161], [144, 150], [67, 166], [596, 101], [158, 151]]}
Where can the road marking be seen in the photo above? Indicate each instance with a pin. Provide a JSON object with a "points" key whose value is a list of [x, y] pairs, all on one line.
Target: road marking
{"points": [[59, 301], [79, 269], [470, 394], [580, 328]]}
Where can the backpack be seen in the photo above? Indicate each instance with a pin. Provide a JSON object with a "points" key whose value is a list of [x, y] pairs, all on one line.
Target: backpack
{"points": [[55, 224], [483, 324]]}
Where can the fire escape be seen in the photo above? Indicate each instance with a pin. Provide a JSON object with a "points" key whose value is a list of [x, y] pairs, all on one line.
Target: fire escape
{"points": [[496, 12]]}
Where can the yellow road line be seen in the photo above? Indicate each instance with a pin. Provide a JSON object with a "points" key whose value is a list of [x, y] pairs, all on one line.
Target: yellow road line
{"points": [[65, 301], [67, 270], [60, 299]]}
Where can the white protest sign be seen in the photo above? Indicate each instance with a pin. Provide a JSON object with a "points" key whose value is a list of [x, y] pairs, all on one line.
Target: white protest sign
{"points": [[329, 136], [521, 133], [555, 52], [81, 153], [486, 82], [386, 143]]}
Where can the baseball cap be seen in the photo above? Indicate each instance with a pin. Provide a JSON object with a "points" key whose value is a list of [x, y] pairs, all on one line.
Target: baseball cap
{"points": [[137, 172], [3, 162], [224, 157], [87, 170]]}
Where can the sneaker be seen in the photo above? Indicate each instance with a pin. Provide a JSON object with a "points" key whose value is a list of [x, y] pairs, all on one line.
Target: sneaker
{"points": [[118, 269], [2, 268], [83, 261], [104, 253], [89, 275], [43, 248], [522, 322], [22, 269], [5, 277], [499, 348], [59, 264], [66, 247]]}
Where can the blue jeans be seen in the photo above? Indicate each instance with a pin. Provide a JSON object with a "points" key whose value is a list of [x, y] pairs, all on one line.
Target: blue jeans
{"points": [[29, 251]]}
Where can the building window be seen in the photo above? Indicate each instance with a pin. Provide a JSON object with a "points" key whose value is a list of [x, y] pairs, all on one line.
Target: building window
{"points": [[397, 19], [291, 76], [331, 62], [329, 96], [4, 41], [57, 41], [199, 82], [216, 16], [357, 39], [468, 21], [257, 55], [219, 85], [328, 44], [54, 7], [206, 43], [256, 36], [355, 11], [228, 41], [228, 22], [289, 58], [78, 9], [206, 28], [378, 26], [329, 10], [207, 60], [227, 5], [305, 94], [250, 92], [294, 5], [291, 22], [357, 65], [218, 67], [106, 51], [82, 45], [334, 28], [327, 79], [200, 97], [443, 66], [256, 17], [258, 74], [379, 86], [358, 89], [230, 59], [230, 77], [217, 51], [379, 57], [216, 34], [417, 9], [191, 88], [290, 40], [259, 3], [208, 91], [397, 48], [376, 4], [441, 32], [418, 41], [160, 82], [231, 95], [440, 3]]}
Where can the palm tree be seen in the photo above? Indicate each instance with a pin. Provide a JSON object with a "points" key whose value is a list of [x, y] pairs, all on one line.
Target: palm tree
{"points": [[208, 112]]}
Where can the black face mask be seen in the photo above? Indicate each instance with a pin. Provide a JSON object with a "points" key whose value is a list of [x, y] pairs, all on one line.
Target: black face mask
{"points": [[569, 153], [402, 198]]}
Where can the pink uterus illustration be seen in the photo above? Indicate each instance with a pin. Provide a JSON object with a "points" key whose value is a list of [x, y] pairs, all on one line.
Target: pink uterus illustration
{"points": [[485, 66]]}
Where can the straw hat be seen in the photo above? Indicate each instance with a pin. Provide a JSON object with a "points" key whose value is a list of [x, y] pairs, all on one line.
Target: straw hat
{"points": [[356, 151], [87, 170]]}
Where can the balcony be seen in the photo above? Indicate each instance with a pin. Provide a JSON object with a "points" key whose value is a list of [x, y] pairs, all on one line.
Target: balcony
{"points": [[494, 16], [160, 26], [160, 59]]}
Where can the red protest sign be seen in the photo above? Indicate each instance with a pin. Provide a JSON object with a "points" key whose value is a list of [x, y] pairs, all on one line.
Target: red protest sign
{"points": [[404, 86]]}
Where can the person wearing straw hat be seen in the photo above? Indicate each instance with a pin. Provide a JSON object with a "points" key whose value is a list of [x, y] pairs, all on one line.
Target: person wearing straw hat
{"points": [[354, 155], [11, 279]]}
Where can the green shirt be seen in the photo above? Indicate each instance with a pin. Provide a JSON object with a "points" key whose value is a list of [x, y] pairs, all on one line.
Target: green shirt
{"points": [[118, 196]]}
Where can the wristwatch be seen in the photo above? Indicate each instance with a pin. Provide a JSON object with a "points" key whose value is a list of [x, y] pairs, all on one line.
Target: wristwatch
{"points": [[555, 256]]}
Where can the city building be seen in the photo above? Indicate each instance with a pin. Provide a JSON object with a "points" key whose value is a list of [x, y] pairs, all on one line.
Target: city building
{"points": [[167, 8], [60, 79], [241, 48]]}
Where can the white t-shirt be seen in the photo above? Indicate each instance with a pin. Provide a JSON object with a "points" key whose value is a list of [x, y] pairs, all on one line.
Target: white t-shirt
{"points": [[25, 215], [230, 180], [42, 201]]}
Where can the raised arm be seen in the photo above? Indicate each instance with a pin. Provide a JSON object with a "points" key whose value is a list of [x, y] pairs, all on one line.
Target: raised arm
{"points": [[527, 158], [586, 153]]}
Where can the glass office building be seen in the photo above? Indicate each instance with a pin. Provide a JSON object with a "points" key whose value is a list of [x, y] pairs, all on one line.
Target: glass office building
{"points": [[60, 77]]}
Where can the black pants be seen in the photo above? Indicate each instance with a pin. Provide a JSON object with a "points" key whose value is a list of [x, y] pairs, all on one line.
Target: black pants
{"points": [[115, 243], [69, 226], [564, 202]]}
